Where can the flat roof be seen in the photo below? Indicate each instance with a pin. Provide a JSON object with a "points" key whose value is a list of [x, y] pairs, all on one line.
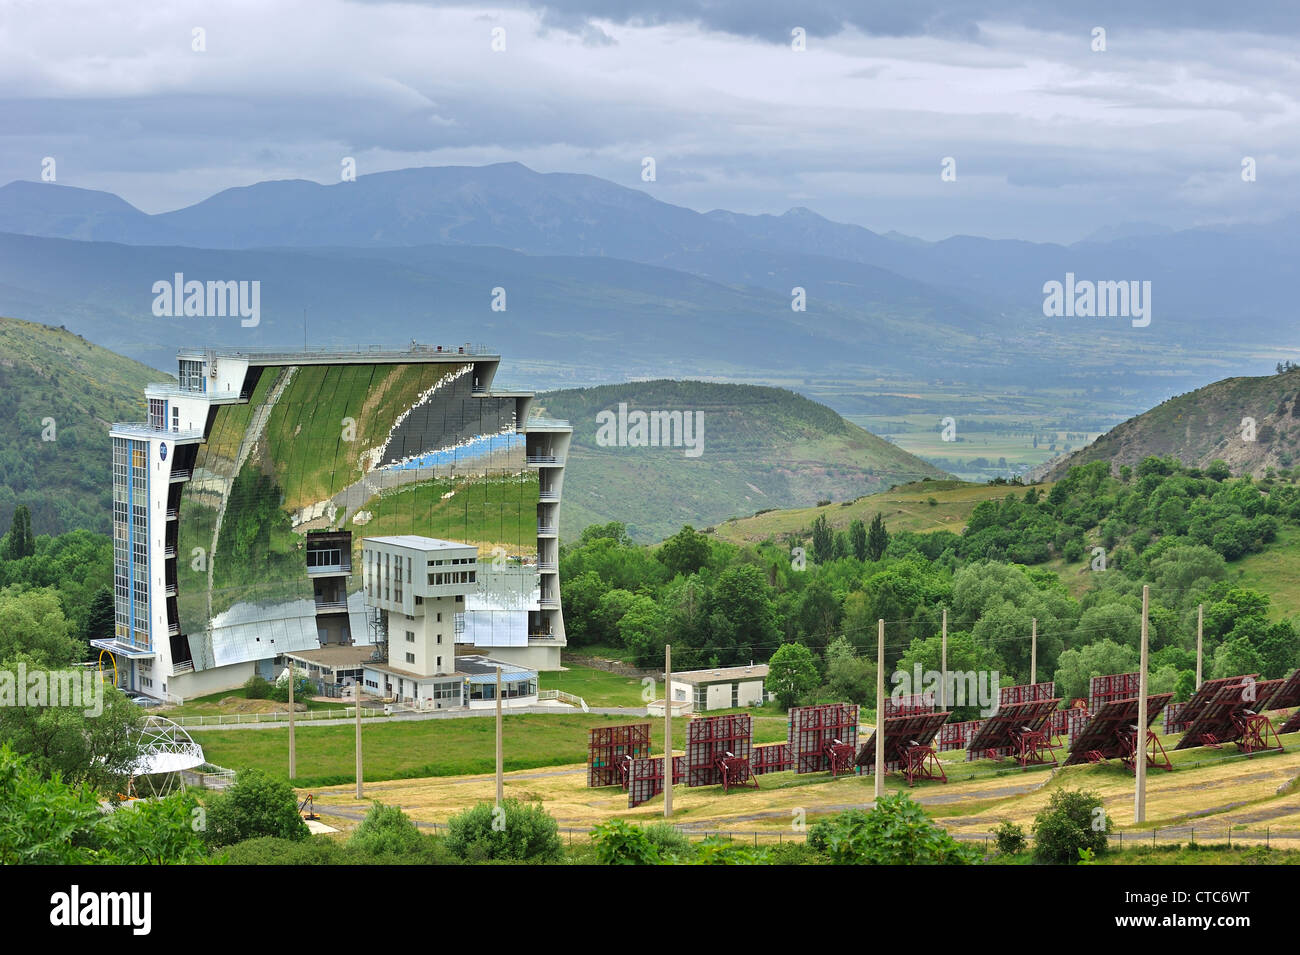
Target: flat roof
{"points": [[755, 671], [335, 657], [347, 354], [416, 542], [474, 668]]}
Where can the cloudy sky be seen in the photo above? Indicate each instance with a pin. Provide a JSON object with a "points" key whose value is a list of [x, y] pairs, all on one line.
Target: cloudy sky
{"points": [[1051, 138]]}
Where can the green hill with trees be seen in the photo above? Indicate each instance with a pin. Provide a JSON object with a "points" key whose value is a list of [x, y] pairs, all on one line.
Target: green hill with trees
{"points": [[58, 396], [1237, 425], [1074, 557], [762, 448]]}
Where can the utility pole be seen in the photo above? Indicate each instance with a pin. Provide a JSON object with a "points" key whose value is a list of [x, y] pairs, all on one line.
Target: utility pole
{"points": [[880, 710], [501, 785], [293, 751], [668, 731], [943, 664], [1200, 631], [1033, 651], [356, 693], [1140, 766]]}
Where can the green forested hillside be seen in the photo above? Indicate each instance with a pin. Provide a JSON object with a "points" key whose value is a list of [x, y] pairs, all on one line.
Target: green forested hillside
{"points": [[58, 395], [762, 448]]}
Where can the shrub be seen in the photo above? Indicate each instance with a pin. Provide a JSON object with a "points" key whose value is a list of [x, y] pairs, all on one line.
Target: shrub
{"points": [[257, 688], [717, 851], [518, 832], [1073, 820], [386, 829], [256, 805], [669, 840], [620, 843], [1010, 838], [896, 832]]}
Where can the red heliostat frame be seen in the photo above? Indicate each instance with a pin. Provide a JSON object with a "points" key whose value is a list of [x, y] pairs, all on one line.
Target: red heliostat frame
{"points": [[1027, 693], [1185, 714], [1233, 716], [772, 758], [1019, 730], [1111, 733], [711, 738], [646, 778], [813, 728], [912, 705], [957, 735], [606, 747], [1292, 725], [908, 747], [1066, 725], [1107, 689], [1285, 696]]}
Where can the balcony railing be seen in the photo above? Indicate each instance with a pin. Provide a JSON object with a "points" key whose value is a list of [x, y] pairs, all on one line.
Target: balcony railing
{"points": [[546, 530], [169, 552], [174, 629], [543, 459], [182, 666], [173, 513], [549, 600], [547, 423], [183, 474], [147, 429], [548, 495], [321, 570], [548, 567], [330, 606]]}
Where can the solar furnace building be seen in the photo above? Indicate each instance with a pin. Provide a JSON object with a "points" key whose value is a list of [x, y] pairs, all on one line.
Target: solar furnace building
{"points": [[240, 506]]}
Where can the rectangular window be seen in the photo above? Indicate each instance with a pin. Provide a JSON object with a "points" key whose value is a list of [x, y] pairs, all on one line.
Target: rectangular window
{"points": [[410, 658], [176, 419], [410, 637], [440, 617]]}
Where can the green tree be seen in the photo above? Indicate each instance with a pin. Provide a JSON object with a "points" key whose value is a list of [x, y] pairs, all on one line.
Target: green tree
{"points": [[877, 538], [20, 542], [1235, 657], [1076, 668], [685, 552], [256, 805], [100, 618], [791, 674], [642, 632], [77, 743], [1072, 820], [849, 677], [823, 540], [32, 623], [858, 538], [742, 617]]}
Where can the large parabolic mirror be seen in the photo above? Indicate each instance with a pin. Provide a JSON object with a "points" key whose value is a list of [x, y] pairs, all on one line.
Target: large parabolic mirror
{"points": [[361, 450]]}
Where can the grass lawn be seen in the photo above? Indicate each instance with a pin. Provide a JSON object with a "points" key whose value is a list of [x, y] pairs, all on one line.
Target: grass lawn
{"points": [[597, 687], [446, 747]]}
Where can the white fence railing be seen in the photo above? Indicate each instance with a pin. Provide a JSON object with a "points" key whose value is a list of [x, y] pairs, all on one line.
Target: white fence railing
{"points": [[563, 698], [280, 716]]}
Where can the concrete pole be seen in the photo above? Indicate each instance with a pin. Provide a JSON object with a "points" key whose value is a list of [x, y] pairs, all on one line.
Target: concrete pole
{"points": [[668, 731], [880, 710], [501, 785], [1033, 651], [943, 664], [1200, 632], [356, 694], [1140, 767], [293, 750]]}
